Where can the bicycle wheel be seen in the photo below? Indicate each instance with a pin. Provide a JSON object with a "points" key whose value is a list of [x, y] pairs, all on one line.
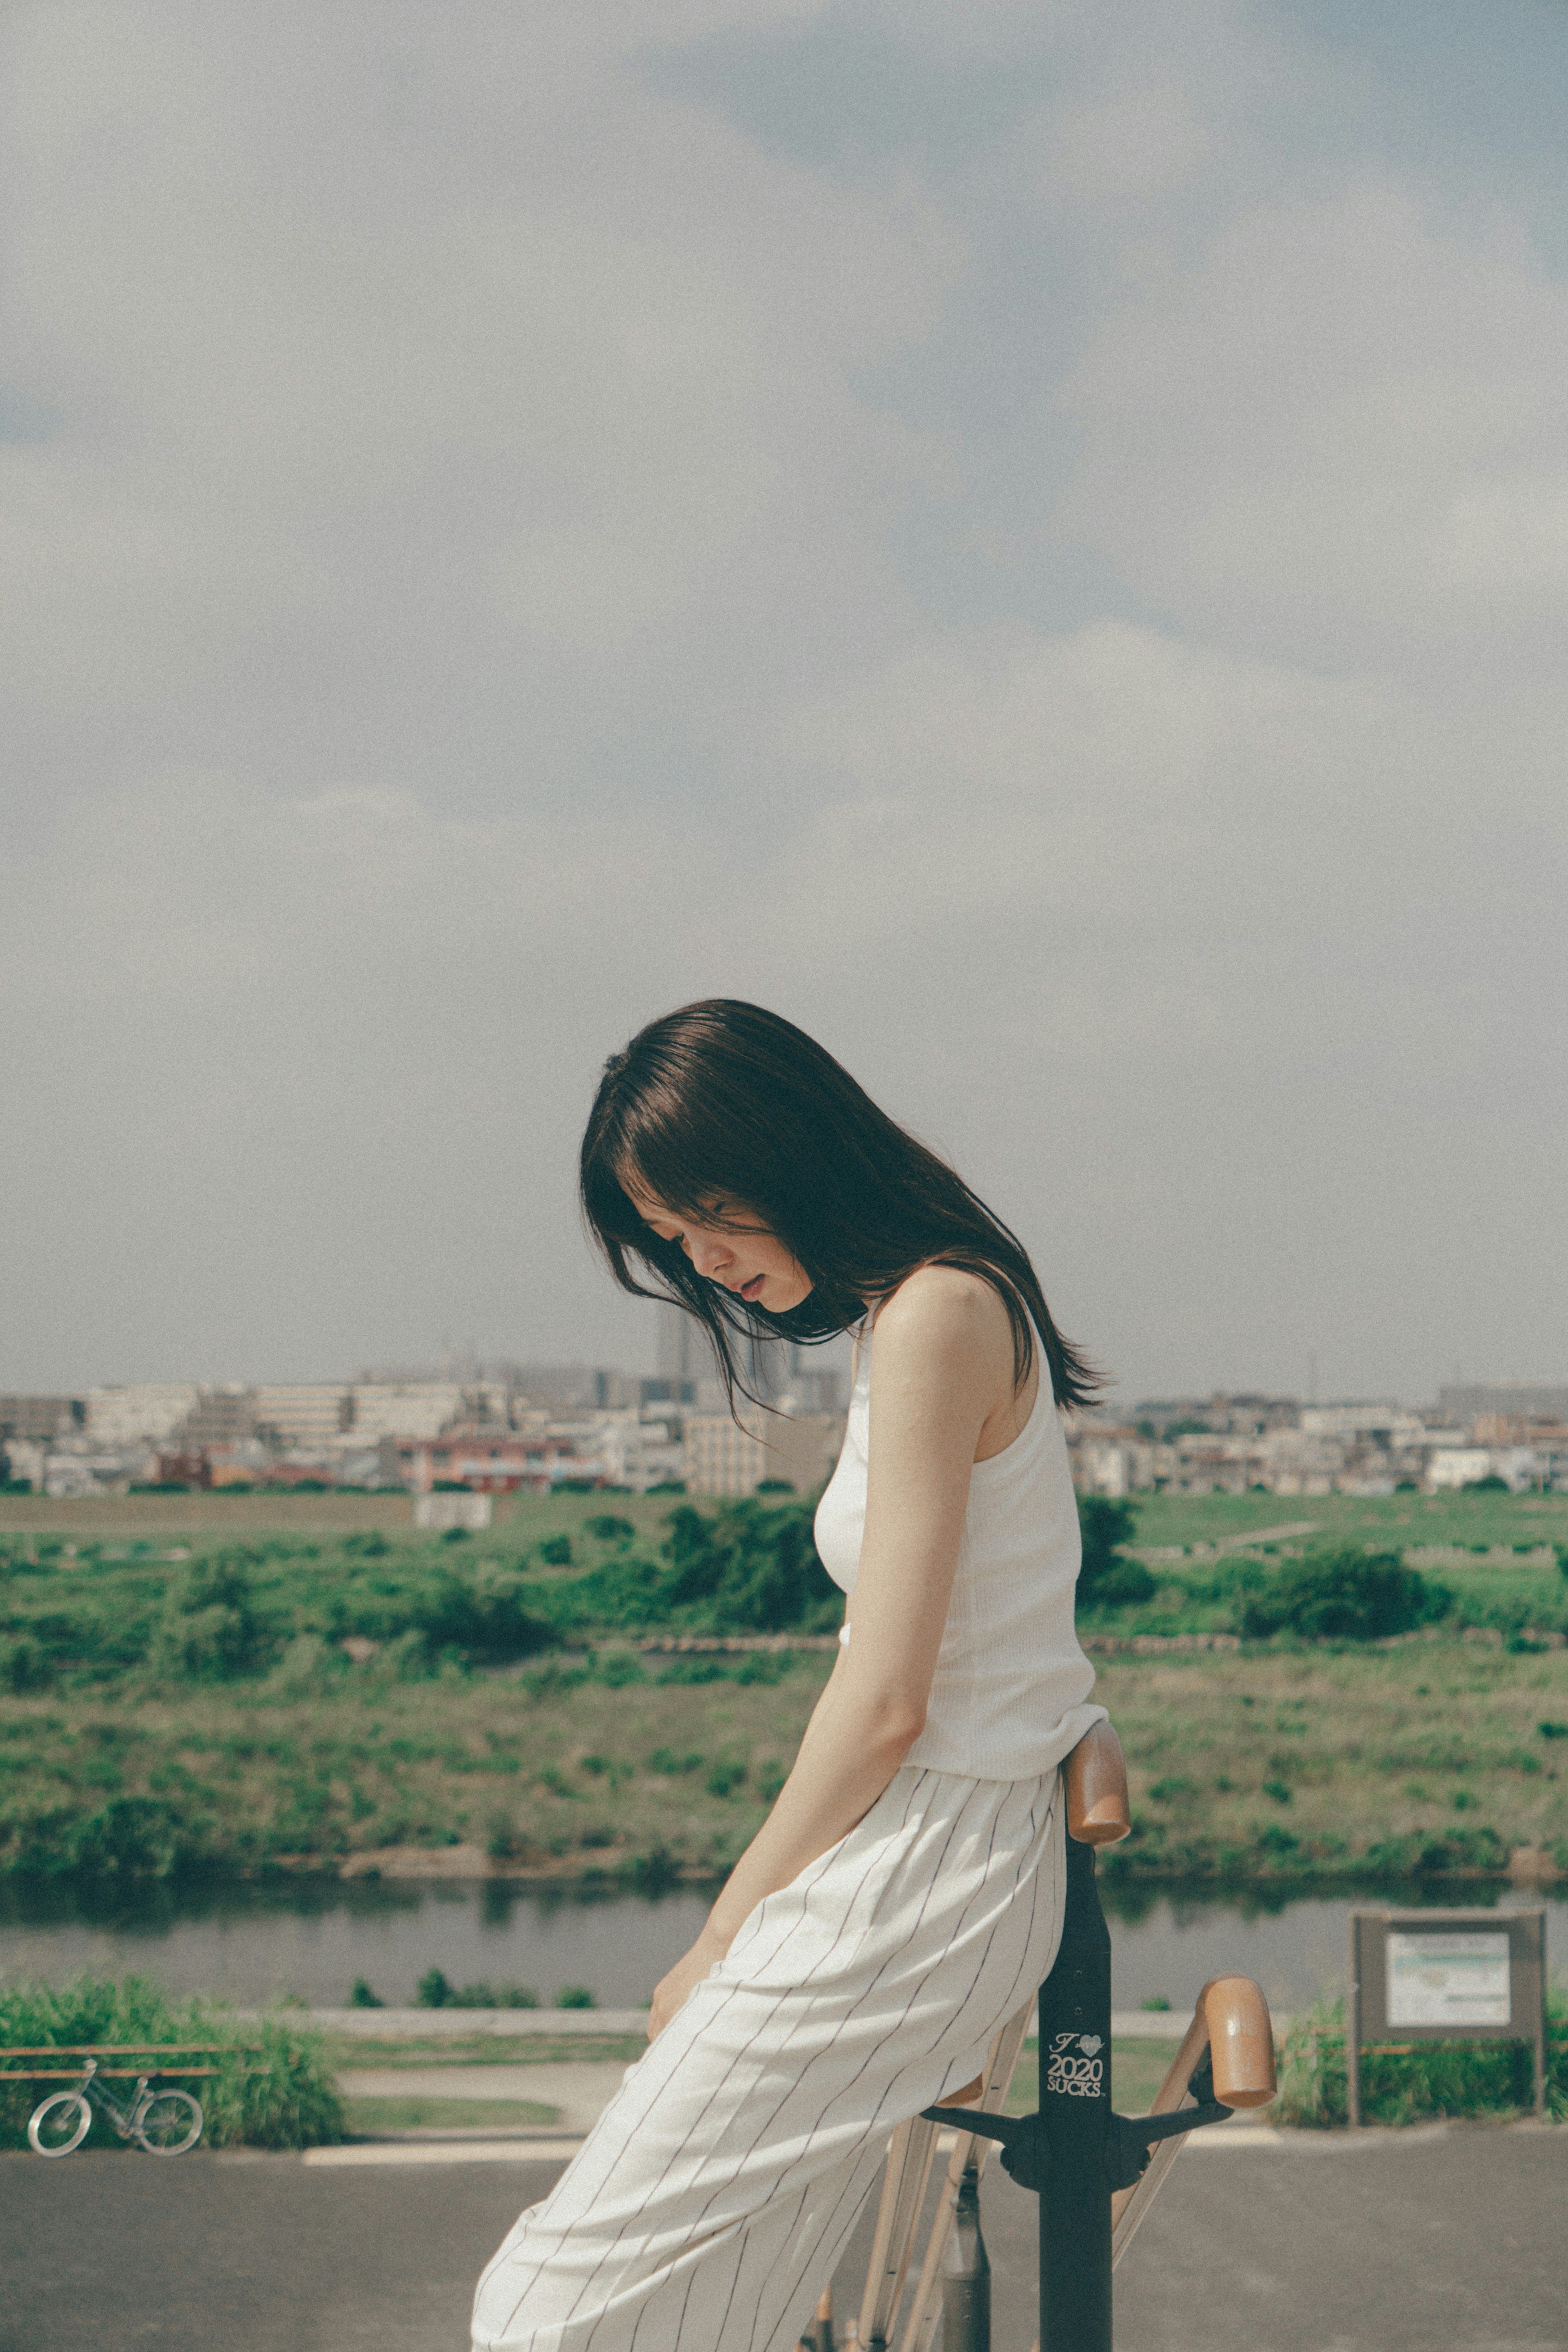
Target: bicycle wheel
{"points": [[169, 2124], [59, 2123]]}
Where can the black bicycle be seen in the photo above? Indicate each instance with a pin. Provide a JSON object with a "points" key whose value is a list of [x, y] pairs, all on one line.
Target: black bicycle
{"points": [[164, 2122]]}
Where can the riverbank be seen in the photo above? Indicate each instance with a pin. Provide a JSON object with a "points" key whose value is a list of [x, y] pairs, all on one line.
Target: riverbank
{"points": [[1261, 1766]]}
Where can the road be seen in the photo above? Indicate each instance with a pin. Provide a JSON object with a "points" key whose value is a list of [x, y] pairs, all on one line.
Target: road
{"points": [[1404, 2242]]}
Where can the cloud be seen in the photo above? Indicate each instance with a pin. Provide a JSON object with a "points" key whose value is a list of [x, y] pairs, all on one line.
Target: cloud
{"points": [[1051, 575], [1339, 428]]}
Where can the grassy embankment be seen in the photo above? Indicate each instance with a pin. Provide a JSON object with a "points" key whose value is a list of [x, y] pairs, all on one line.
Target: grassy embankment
{"points": [[161, 1713]]}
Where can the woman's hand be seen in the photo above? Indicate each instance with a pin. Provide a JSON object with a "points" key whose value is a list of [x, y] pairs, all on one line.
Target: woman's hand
{"points": [[708, 1950]]}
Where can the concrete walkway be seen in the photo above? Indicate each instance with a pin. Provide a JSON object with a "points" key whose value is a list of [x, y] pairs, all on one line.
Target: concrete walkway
{"points": [[1385, 2242]]}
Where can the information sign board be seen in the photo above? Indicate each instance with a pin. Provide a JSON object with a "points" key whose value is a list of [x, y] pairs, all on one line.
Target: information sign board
{"points": [[1454, 1980], [1446, 1975]]}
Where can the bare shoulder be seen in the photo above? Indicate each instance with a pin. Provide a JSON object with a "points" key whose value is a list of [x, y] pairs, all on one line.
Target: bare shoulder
{"points": [[946, 1312]]}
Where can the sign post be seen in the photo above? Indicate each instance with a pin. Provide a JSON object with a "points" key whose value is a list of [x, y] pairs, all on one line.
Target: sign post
{"points": [[1446, 1976]]}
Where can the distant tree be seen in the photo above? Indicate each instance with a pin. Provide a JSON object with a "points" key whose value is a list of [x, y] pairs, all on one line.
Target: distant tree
{"points": [[482, 1618], [757, 1565], [212, 1630], [1345, 1595], [1105, 1579]]}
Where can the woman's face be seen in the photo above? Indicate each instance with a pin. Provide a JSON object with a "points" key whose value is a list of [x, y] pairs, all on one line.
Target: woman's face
{"points": [[726, 1245]]}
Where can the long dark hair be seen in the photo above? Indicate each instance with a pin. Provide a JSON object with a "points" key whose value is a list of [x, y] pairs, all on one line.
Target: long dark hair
{"points": [[722, 1101]]}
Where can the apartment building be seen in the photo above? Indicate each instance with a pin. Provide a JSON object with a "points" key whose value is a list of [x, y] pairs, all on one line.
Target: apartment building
{"points": [[726, 1456]]}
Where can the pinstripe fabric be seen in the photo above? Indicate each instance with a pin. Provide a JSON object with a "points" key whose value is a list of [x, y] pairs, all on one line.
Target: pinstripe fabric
{"points": [[708, 2206]]}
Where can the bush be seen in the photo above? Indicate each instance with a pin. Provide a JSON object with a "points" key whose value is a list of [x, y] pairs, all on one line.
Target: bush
{"points": [[27, 1668], [575, 1997], [212, 1631], [1429, 2079], [1343, 1595], [436, 1992], [1106, 1580], [482, 1618], [757, 1565], [273, 2088]]}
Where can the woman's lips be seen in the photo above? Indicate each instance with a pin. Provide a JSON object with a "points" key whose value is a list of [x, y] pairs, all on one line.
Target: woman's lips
{"points": [[752, 1289]]}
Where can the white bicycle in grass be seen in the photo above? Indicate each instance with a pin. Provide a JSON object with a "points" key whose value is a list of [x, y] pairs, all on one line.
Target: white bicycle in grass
{"points": [[164, 2122]]}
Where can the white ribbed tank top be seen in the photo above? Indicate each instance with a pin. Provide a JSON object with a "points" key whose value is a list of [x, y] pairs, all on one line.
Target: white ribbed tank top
{"points": [[1009, 1697]]}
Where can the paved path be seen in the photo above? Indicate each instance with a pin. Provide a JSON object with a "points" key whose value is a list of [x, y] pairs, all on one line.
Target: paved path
{"points": [[577, 2091], [1403, 2242]]}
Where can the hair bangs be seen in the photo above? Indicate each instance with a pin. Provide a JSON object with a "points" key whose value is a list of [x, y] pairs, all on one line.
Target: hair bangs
{"points": [[725, 1112]]}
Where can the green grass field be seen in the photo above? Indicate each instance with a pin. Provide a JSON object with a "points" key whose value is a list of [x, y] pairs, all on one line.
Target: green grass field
{"points": [[523, 1520], [1388, 1521], [171, 1707]]}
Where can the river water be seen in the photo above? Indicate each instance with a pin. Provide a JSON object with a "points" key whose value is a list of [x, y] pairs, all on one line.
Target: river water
{"points": [[312, 1939]]}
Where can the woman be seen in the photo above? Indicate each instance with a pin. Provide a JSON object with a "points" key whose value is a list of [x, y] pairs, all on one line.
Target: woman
{"points": [[904, 1897]]}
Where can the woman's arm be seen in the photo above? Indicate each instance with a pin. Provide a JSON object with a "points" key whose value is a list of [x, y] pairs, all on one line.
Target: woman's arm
{"points": [[942, 1368]]}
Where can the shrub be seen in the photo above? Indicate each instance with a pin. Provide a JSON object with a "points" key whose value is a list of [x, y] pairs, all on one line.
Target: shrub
{"points": [[477, 1996], [273, 2087], [757, 1565], [575, 1997], [1432, 2078], [1106, 1580], [482, 1618], [27, 1668], [212, 1630], [1343, 1595]]}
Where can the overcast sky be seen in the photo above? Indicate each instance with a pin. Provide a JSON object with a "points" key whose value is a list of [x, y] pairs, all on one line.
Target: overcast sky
{"points": [[1032, 539]]}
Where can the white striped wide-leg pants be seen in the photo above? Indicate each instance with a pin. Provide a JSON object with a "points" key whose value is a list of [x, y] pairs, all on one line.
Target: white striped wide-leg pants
{"points": [[709, 2205]]}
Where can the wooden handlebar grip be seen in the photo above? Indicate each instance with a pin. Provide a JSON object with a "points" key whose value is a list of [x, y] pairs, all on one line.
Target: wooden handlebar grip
{"points": [[1096, 1776], [1240, 2041]]}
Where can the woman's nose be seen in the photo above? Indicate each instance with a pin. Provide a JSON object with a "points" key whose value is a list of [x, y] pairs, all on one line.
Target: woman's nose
{"points": [[709, 1253]]}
